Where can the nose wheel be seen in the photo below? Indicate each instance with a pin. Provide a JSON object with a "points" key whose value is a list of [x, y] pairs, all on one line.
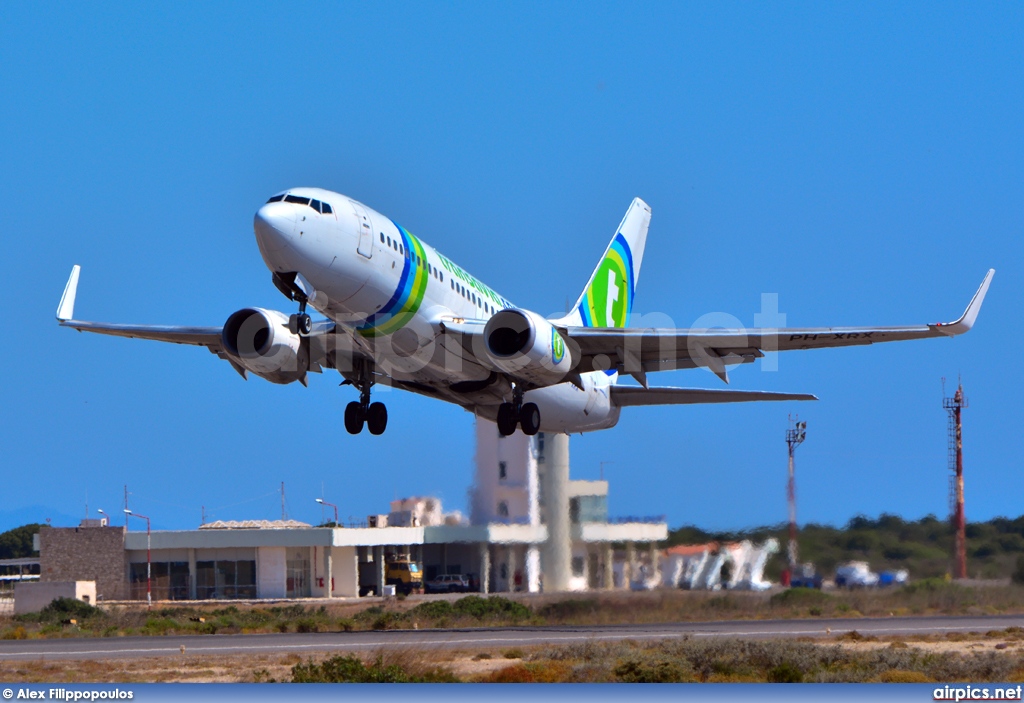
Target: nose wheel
{"points": [[362, 411], [300, 323], [517, 413]]}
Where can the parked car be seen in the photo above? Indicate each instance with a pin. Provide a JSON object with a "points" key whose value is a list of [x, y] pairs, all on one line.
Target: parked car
{"points": [[448, 583]]}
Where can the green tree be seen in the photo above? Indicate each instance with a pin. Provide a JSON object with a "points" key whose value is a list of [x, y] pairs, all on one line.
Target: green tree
{"points": [[17, 543]]}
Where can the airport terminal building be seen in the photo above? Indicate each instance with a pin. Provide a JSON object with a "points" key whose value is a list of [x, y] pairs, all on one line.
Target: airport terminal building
{"points": [[530, 529]]}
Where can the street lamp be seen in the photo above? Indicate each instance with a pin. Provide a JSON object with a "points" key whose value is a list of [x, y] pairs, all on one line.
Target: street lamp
{"points": [[149, 560], [321, 501], [795, 436], [102, 512]]}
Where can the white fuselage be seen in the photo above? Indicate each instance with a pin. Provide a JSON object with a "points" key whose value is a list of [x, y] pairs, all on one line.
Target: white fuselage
{"points": [[391, 292]]}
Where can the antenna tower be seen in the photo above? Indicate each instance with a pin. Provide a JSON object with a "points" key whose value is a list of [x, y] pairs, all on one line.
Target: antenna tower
{"points": [[955, 453], [795, 436]]}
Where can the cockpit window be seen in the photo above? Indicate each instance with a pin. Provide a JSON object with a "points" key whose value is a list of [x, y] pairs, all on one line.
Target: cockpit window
{"points": [[326, 209], [276, 198], [315, 204], [296, 199]]}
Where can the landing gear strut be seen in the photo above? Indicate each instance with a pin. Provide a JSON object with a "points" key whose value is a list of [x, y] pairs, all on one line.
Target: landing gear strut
{"points": [[515, 413], [375, 415], [300, 323]]}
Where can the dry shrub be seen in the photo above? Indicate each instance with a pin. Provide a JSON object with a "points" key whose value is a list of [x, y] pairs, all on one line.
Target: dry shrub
{"points": [[902, 676], [398, 666], [534, 672], [517, 673], [646, 671]]}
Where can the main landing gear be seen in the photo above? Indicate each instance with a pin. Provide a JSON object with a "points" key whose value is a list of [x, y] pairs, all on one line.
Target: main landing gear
{"points": [[375, 415], [515, 413], [301, 323]]}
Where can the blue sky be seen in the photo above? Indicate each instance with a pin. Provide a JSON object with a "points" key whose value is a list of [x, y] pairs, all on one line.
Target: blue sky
{"points": [[863, 161]]}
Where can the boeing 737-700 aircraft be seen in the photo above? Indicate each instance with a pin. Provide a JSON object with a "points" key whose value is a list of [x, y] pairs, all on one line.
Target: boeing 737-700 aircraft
{"points": [[400, 312]]}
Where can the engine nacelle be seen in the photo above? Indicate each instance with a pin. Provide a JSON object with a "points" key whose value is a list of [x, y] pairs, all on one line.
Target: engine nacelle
{"points": [[259, 341], [527, 347]]}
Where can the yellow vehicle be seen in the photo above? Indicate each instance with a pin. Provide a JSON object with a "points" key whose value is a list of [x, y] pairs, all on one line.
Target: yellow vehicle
{"points": [[405, 575]]}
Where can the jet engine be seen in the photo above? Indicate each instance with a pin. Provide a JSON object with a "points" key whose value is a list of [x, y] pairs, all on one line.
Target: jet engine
{"points": [[527, 347], [259, 341]]}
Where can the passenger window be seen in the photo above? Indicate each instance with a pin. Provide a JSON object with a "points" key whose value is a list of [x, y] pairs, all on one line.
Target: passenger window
{"points": [[401, 249], [326, 209], [276, 199], [296, 199], [381, 237]]}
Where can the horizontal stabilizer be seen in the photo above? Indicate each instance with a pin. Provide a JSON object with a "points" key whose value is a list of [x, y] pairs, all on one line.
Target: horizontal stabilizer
{"points": [[624, 396]]}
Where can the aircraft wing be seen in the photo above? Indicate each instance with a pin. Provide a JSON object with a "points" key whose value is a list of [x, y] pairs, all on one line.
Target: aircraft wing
{"points": [[209, 337], [638, 351], [624, 396]]}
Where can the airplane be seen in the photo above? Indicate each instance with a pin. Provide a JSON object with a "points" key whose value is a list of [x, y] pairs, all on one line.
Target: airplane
{"points": [[399, 312]]}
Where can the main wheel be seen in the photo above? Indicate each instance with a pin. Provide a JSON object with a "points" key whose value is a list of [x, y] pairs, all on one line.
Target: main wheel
{"points": [[529, 419], [354, 418], [304, 324], [506, 419], [377, 418]]}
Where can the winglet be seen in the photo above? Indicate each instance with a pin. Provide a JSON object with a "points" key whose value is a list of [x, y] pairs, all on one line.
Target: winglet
{"points": [[66, 309], [966, 321]]}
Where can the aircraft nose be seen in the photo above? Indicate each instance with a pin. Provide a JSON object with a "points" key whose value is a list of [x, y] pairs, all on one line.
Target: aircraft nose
{"points": [[274, 225]]}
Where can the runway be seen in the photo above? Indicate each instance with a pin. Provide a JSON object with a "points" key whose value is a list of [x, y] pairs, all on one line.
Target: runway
{"points": [[484, 638]]}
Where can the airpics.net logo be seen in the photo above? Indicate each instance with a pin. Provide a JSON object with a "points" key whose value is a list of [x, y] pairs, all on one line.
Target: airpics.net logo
{"points": [[978, 693]]}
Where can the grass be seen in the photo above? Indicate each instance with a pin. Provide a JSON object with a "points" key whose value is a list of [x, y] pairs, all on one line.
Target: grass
{"points": [[688, 661], [928, 597], [914, 659]]}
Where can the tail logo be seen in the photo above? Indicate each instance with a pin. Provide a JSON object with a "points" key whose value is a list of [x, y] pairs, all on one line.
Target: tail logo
{"points": [[609, 299]]}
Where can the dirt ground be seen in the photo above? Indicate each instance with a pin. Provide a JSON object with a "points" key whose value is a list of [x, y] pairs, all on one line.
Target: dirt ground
{"points": [[467, 665]]}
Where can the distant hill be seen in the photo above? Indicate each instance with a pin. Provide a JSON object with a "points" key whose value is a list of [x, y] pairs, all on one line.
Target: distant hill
{"points": [[9, 519], [923, 547]]}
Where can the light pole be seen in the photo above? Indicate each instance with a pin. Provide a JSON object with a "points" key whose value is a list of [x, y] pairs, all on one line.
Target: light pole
{"points": [[321, 501], [795, 436], [149, 561]]}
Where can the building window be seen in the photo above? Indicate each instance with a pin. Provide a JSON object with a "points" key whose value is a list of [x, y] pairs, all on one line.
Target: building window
{"points": [[502, 470], [503, 509], [577, 566], [225, 579]]}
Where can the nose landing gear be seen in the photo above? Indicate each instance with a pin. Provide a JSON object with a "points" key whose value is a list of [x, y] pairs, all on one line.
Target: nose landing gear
{"points": [[516, 413], [375, 415], [300, 323]]}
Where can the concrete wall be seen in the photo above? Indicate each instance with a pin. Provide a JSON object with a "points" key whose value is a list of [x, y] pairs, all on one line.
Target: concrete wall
{"points": [[270, 572], [33, 597], [85, 554], [345, 571]]}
